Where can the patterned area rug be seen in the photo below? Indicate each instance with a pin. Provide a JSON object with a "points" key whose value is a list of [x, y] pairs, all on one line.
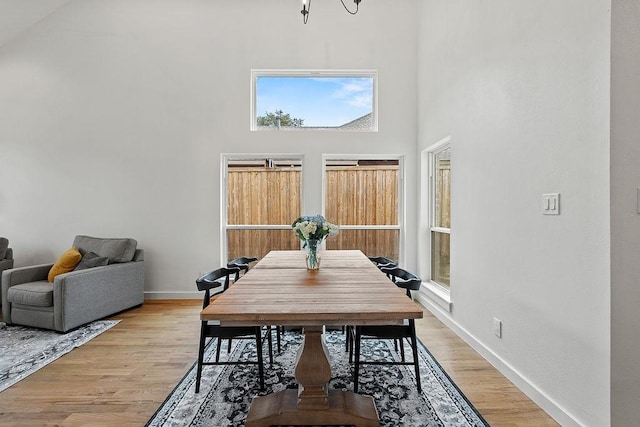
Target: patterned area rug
{"points": [[24, 350], [226, 391]]}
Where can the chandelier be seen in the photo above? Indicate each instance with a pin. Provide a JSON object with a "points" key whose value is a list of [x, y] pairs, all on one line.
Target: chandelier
{"points": [[306, 8]]}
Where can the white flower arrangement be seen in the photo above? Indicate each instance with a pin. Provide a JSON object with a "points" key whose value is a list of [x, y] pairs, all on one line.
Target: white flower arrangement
{"points": [[314, 228]]}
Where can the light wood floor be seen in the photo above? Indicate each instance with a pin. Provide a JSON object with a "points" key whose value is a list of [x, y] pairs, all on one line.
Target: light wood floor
{"points": [[121, 377]]}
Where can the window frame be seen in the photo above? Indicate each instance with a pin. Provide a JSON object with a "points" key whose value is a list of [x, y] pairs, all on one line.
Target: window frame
{"points": [[224, 220], [401, 195], [255, 73]]}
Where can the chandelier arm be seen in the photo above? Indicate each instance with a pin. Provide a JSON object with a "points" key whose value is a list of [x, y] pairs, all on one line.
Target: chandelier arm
{"points": [[305, 12], [357, 2]]}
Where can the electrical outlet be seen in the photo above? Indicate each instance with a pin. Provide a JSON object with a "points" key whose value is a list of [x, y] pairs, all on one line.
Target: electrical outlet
{"points": [[497, 327]]}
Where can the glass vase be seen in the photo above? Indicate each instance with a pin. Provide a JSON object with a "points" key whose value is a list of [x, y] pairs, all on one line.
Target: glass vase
{"points": [[313, 260]]}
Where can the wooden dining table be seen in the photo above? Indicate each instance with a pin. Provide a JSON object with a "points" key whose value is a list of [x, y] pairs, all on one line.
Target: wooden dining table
{"points": [[348, 289]]}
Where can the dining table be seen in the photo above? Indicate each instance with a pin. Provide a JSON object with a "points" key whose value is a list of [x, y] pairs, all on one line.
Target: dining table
{"points": [[347, 289]]}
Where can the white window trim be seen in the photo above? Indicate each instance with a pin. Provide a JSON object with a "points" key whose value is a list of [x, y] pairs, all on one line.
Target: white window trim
{"points": [[255, 73], [437, 294], [224, 226], [432, 290], [401, 194]]}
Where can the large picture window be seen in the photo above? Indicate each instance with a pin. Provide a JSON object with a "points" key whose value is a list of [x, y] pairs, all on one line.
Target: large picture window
{"points": [[263, 196], [314, 100], [363, 196]]}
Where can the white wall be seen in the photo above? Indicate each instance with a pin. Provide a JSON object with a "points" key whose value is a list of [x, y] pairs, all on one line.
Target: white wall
{"points": [[625, 218], [114, 115], [522, 88], [19, 15]]}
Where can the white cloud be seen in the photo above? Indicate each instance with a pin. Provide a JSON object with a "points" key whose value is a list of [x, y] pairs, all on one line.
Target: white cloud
{"points": [[360, 101], [355, 93]]}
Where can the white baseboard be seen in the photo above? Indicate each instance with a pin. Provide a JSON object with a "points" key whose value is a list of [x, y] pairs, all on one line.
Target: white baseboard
{"points": [[541, 399], [173, 295]]}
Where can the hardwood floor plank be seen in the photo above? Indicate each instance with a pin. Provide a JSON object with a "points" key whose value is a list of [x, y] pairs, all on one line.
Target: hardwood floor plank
{"points": [[122, 376]]}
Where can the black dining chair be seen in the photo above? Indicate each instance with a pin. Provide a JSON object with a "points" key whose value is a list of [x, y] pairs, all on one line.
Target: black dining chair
{"points": [[243, 263], [213, 284], [405, 280], [379, 262]]}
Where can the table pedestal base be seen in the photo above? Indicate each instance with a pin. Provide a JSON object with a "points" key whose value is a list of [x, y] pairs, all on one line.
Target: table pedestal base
{"points": [[345, 408]]}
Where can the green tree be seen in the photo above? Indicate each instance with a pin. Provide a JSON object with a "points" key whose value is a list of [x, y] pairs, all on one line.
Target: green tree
{"points": [[278, 119]]}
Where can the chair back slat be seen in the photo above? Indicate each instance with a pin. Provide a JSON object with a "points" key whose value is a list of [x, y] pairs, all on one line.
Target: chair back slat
{"points": [[403, 278], [242, 263], [215, 279], [381, 261]]}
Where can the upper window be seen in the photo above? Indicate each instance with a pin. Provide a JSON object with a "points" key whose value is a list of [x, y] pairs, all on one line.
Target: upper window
{"points": [[314, 100]]}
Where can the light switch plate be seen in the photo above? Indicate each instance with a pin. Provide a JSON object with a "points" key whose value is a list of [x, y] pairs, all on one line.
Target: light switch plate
{"points": [[551, 204]]}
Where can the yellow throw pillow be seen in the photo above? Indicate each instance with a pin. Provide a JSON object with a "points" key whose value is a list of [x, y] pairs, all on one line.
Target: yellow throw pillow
{"points": [[66, 263]]}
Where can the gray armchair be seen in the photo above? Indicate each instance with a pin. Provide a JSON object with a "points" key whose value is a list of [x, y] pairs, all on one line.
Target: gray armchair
{"points": [[80, 296], [6, 257]]}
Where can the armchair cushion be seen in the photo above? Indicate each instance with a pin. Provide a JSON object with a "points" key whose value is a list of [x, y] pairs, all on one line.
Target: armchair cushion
{"points": [[66, 263], [4, 245], [39, 294], [117, 250], [90, 260]]}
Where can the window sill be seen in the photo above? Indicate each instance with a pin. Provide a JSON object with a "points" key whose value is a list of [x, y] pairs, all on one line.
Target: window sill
{"points": [[437, 295]]}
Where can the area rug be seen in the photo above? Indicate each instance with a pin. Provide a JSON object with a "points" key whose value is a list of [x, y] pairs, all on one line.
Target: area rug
{"points": [[226, 391], [24, 350]]}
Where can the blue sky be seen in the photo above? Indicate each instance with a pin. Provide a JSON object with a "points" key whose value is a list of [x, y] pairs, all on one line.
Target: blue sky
{"points": [[320, 101]]}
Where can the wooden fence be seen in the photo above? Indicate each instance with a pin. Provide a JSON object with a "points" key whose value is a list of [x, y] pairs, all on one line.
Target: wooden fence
{"points": [[364, 195], [356, 195], [263, 196], [258, 243], [369, 192]]}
